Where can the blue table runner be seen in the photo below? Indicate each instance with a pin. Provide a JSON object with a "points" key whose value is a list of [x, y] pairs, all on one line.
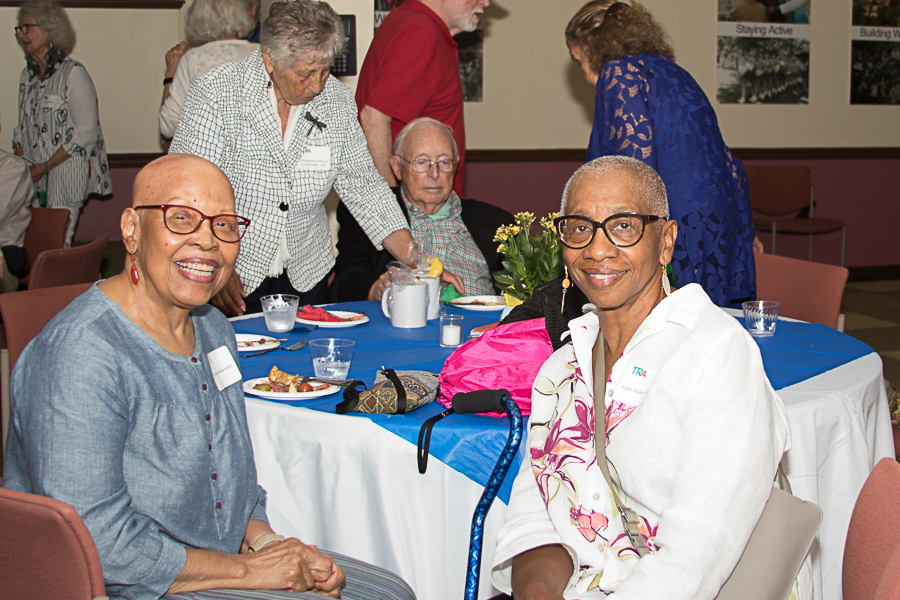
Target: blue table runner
{"points": [[471, 443]]}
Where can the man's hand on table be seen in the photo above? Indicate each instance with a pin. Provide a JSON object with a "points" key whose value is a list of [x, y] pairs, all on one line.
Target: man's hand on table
{"points": [[456, 280], [293, 565], [230, 299]]}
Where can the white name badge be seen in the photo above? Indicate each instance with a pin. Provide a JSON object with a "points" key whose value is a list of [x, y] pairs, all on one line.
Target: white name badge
{"points": [[224, 369], [633, 385], [316, 158]]}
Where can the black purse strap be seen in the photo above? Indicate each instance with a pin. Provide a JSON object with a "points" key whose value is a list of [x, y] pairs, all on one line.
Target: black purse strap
{"points": [[351, 397], [424, 444], [398, 386]]}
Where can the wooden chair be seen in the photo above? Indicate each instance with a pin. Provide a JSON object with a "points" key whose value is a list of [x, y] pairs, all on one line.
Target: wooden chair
{"points": [[25, 314], [46, 550], [781, 191], [47, 231], [871, 569], [807, 290], [68, 266]]}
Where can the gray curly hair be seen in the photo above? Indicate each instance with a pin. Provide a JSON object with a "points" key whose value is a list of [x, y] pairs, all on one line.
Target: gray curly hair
{"points": [[298, 28], [54, 20], [650, 186], [210, 20]]}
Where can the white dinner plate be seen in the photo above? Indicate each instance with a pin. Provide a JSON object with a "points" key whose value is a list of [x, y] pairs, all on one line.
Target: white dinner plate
{"points": [[248, 389], [489, 303], [253, 337], [336, 324]]}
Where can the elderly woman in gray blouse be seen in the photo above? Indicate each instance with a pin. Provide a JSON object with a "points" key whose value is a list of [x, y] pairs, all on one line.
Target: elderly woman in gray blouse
{"points": [[59, 120], [285, 131], [145, 435]]}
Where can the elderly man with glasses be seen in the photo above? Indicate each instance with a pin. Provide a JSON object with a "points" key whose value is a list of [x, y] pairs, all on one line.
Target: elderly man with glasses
{"points": [[461, 232]]}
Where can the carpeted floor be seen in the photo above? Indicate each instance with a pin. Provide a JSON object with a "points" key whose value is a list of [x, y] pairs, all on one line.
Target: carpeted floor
{"points": [[872, 311]]}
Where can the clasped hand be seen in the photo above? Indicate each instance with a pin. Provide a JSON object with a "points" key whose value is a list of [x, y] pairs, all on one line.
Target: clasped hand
{"points": [[292, 565]]}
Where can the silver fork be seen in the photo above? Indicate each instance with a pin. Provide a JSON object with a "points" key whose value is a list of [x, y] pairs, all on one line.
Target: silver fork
{"points": [[297, 346]]}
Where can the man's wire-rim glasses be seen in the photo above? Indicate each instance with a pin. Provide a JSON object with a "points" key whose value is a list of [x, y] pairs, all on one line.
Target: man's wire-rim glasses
{"points": [[185, 220], [627, 229], [423, 165]]}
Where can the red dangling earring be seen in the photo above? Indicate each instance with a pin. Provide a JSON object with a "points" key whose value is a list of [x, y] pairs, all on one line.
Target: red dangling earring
{"points": [[134, 272]]}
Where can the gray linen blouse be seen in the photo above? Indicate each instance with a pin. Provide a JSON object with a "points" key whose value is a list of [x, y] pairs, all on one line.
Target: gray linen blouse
{"points": [[138, 440]]}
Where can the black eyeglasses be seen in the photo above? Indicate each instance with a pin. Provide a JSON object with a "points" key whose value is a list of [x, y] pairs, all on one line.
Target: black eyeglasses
{"points": [[623, 229], [423, 165], [23, 29], [185, 220]]}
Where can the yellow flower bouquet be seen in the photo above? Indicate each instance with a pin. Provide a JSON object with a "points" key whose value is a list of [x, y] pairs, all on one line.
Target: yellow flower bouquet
{"points": [[529, 260]]}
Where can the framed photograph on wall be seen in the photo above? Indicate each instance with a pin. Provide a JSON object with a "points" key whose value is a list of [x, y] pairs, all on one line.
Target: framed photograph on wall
{"points": [[762, 54], [875, 52]]}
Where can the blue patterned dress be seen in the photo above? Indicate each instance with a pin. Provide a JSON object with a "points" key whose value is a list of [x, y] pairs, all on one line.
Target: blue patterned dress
{"points": [[651, 109]]}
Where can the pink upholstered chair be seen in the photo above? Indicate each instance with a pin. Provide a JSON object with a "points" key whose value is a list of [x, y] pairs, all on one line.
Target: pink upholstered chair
{"points": [[779, 191], [46, 551], [67, 266], [871, 568], [808, 291], [47, 231]]}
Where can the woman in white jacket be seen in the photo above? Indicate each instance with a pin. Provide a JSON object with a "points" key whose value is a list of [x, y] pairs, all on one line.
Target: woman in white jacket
{"points": [[694, 430]]}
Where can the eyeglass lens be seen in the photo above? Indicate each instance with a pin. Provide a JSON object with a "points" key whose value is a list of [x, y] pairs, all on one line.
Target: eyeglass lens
{"points": [[421, 165], [23, 29], [622, 230], [185, 220]]}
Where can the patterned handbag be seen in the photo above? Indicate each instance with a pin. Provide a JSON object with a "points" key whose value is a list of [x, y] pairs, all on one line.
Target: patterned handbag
{"points": [[393, 393]]}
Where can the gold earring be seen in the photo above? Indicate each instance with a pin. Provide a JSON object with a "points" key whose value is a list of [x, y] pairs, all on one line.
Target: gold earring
{"points": [[565, 285]]}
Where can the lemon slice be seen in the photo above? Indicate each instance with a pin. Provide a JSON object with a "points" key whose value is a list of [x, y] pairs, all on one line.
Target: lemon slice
{"points": [[436, 268]]}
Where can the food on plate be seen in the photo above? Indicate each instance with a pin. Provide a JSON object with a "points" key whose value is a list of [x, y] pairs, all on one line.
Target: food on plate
{"points": [[320, 314], [285, 383], [259, 342], [476, 303]]}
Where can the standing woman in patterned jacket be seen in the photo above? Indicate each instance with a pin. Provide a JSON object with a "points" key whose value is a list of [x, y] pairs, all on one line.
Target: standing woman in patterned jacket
{"points": [[651, 109], [59, 121]]}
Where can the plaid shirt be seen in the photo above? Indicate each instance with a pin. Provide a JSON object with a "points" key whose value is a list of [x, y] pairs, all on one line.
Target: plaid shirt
{"points": [[453, 243], [227, 118]]}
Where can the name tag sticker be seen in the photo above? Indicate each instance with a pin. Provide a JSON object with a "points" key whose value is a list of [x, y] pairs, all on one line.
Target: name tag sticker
{"points": [[316, 158], [633, 385], [224, 370]]}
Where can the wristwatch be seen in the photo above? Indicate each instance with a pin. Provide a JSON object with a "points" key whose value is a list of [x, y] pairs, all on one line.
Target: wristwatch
{"points": [[263, 540]]}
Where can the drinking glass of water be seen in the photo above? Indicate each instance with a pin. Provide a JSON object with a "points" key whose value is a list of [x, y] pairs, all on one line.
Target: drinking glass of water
{"points": [[331, 357], [280, 311]]}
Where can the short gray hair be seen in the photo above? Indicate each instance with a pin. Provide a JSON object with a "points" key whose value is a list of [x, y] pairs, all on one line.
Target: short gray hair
{"points": [[401, 137], [297, 28], [54, 20], [651, 188], [210, 20]]}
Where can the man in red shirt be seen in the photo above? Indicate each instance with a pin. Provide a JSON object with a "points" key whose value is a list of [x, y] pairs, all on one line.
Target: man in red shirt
{"points": [[411, 71]]}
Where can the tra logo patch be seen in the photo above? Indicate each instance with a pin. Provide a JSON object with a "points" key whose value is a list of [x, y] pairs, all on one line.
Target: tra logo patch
{"points": [[639, 372]]}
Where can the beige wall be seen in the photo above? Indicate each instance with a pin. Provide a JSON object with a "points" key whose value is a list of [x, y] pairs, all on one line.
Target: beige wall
{"points": [[124, 51], [534, 96]]}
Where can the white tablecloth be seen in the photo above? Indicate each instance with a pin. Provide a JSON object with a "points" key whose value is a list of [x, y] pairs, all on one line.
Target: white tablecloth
{"points": [[351, 486]]}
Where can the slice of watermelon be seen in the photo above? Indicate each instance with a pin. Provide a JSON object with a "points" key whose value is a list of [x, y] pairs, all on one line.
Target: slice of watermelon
{"points": [[318, 314]]}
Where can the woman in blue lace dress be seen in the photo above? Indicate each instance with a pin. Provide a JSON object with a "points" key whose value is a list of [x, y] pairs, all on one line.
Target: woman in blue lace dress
{"points": [[651, 109]]}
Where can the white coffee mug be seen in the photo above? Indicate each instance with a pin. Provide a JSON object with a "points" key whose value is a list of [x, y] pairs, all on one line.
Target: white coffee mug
{"points": [[434, 294], [406, 305]]}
